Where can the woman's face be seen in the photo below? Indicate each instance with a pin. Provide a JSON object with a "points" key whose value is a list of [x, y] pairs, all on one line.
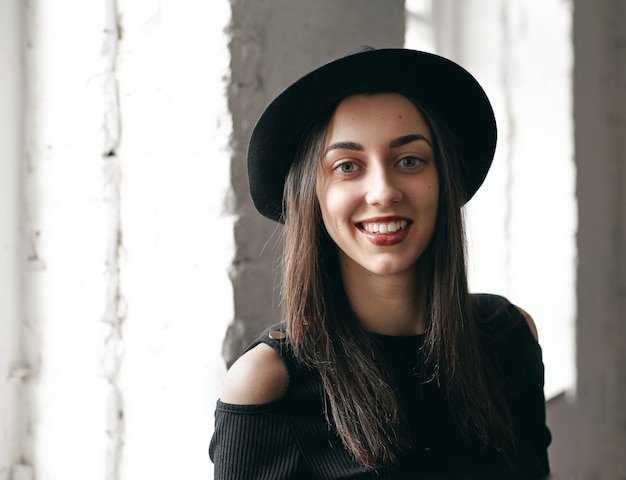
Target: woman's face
{"points": [[377, 183]]}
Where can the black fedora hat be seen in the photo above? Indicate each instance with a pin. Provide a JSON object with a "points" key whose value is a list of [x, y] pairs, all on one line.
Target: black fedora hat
{"points": [[444, 86]]}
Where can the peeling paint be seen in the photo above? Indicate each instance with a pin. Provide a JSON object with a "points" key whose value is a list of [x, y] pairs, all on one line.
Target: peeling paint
{"points": [[20, 373], [35, 262]]}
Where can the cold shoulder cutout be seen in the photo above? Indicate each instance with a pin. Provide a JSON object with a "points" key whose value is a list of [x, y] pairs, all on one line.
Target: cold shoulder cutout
{"points": [[259, 376]]}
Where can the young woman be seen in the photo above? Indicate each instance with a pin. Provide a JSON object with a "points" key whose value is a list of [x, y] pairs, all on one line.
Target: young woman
{"points": [[383, 366]]}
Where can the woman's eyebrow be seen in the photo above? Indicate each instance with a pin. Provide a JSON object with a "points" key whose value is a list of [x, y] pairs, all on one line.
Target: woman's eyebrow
{"points": [[406, 139], [395, 143], [344, 146]]}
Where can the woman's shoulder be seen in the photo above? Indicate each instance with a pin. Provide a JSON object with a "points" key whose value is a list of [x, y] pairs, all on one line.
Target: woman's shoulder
{"points": [[499, 316], [258, 376]]}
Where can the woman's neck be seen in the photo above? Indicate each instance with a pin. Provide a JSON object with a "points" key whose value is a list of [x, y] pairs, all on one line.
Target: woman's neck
{"points": [[386, 304]]}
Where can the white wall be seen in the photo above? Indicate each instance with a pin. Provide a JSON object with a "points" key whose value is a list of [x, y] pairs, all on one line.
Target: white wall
{"points": [[126, 296]]}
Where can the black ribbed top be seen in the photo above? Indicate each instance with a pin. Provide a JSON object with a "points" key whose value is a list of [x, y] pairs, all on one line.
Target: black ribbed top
{"points": [[290, 438]]}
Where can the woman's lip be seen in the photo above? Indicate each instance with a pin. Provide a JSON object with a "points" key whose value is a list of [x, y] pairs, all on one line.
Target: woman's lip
{"points": [[389, 218], [389, 237], [386, 239]]}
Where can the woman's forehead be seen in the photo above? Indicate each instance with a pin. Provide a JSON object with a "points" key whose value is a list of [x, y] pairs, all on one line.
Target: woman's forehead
{"points": [[372, 115]]}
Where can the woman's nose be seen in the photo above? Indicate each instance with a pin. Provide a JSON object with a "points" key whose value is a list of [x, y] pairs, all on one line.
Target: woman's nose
{"points": [[382, 189]]}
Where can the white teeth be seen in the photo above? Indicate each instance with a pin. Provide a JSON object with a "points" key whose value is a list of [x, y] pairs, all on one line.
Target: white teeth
{"points": [[383, 228]]}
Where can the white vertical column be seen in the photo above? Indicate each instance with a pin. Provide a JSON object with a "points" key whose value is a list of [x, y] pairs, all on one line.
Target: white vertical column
{"points": [[543, 217], [12, 369], [176, 244], [66, 215]]}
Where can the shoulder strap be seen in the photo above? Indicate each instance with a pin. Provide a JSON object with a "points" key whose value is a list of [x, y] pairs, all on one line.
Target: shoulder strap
{"points": [[275, 336]]}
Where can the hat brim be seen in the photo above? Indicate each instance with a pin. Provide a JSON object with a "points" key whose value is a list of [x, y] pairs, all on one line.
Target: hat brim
{"points": [[446, 87]]}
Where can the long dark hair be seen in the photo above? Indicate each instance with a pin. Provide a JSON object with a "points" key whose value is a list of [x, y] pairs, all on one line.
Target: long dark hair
{"points": [[325, 334]]}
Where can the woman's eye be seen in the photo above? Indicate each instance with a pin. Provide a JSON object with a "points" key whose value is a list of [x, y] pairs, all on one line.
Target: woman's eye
{"points": [[409, 162], [348, 167]]}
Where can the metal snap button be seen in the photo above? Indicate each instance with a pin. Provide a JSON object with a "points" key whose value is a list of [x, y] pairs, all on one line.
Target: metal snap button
{"points": [[277, 335]]}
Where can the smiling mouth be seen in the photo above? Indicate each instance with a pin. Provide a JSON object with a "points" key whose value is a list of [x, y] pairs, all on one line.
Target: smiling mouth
{"points": [[385, 228]]}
